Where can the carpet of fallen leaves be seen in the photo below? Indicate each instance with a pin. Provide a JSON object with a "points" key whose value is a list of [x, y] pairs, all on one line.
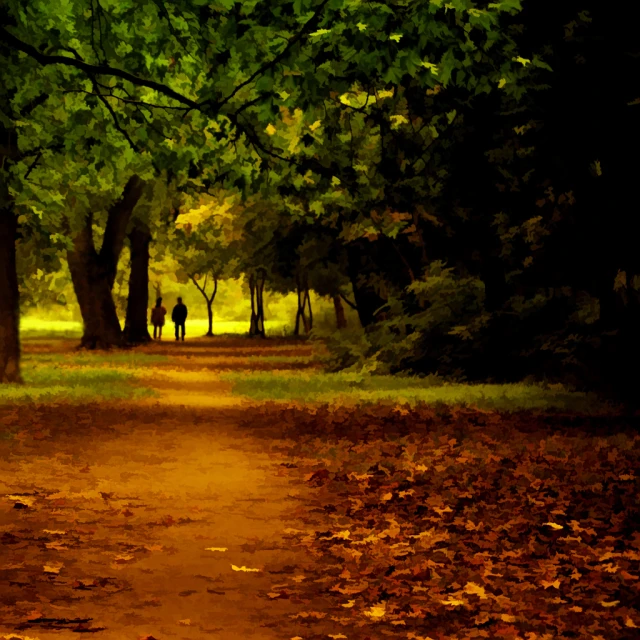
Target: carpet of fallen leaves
{"points": [[198, 514], [456, 524]]}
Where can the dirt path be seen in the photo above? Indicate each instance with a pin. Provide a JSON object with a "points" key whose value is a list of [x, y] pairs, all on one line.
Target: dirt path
{"points": [[161, 519]]}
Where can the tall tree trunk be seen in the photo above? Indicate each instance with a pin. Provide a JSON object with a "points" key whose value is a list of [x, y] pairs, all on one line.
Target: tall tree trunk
{"points": [[299, 311], [308, 298], [9, 298], [256, 288], [93, 291], [136, 328], [210, 317], [93, 273], [341, 318], [368, 302]]}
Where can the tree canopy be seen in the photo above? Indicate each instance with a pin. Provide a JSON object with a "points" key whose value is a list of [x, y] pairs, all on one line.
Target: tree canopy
{"points": [[460, 172]]}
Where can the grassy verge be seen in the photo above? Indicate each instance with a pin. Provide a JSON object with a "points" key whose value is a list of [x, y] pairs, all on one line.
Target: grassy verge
{"points": [[34, 328], [127, 360], [47, 383], [354, 388]]}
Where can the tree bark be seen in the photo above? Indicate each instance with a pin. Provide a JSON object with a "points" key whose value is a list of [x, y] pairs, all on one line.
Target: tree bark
{"points": [[92, 289], [93, 273], [209, 333], [9, 298], [136, 328], [256, 287], [208, 299], [368, 302], [341, 318]]}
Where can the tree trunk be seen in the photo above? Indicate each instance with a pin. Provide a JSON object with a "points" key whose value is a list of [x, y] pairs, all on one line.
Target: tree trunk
{"points": [[210, 314], [367, 300], [93, 273], [308, 299], [299, 312], [341, 318], [136, 328], [93, 291], [9, 299], [256, 287]]}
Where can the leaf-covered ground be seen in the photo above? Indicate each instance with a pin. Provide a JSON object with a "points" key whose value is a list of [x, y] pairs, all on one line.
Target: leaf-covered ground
{"points": [[194, 513]]}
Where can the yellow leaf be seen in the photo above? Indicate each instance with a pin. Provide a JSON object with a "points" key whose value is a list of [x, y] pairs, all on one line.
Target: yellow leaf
{"points": [[395, 36], [630, 623], [270, 130], [452, 602], [337, 636], [576, 609], [553, 525], [185, 623], [25, 500], [243, 568], [342, 535], [523, 61], [315, 125], [54, 532], [377, 611], [610, 604], [476, 589], [216, 549], [53, 567], [361, 26], [387, 496], [506, 617], [502, 83], [349, 604], [555, 584]]}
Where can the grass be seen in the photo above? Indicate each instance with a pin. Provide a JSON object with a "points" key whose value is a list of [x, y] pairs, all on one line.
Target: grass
{"points": [[350, 388], [35, 328], [47, 383], [87, 358]]}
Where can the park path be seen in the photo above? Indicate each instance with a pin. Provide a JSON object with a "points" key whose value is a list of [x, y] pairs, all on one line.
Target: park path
{"points": [[165, 518]]}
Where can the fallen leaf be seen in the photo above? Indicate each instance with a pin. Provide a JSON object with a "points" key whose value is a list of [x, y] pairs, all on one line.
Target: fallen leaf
{"points": [[452, 602], [243, 568], [53, 567], [349, 604], [217, 549], [475, 589], [553, 525], [185, 623], [377, 611]]}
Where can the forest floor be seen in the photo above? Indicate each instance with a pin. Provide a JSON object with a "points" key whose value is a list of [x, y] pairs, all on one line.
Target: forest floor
{"points": [[229, 489]]}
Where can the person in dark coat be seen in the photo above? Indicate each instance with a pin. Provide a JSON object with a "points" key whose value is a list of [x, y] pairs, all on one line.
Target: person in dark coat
{"points": [[157, 319], [179, 317]]}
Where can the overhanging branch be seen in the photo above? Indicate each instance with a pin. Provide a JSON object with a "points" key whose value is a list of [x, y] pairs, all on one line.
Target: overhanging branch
{"points": [[93, 69]]}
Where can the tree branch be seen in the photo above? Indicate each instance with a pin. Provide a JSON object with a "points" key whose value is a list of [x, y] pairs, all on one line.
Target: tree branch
{"points": [[310, 24], [351, 304], [94, 69]]}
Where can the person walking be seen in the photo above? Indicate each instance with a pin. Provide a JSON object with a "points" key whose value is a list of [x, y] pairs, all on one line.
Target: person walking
{"points": [[157, 319], [179, 317]]}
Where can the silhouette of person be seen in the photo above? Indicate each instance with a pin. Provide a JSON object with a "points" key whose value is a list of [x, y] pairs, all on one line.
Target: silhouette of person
{"points": [[179, 317], [157, 319]]}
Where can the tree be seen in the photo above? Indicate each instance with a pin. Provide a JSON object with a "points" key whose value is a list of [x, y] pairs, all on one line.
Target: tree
{"points": [[201, 246]]}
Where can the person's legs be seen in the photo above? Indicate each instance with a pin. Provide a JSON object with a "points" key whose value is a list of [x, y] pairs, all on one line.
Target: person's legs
{"points": [[182, 326], [155, 330], [177, 331], [160, 332]]}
